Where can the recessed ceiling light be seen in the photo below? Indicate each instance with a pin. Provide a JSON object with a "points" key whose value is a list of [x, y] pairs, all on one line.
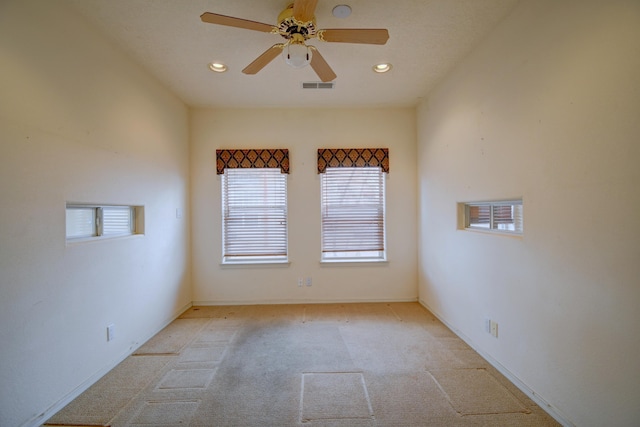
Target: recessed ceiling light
{"points": [[382, 68], [341, 11], [217, 67]]}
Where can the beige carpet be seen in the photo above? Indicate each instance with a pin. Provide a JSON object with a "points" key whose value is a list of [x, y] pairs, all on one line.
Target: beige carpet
{"points": [[173, 338], [326, 365]]}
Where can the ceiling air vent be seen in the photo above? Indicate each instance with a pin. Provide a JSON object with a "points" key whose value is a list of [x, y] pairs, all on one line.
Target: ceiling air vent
{"points": [[317, 85]]}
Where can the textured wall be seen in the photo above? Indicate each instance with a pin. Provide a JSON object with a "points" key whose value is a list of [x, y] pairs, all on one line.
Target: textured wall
{"points": [[545, 109], [79, 122], [303, 132]]}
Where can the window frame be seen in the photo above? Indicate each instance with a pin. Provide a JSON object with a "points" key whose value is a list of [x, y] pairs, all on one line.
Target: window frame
{"points": [[348, 256], [98, 228], [492, 218], [228, 257]]}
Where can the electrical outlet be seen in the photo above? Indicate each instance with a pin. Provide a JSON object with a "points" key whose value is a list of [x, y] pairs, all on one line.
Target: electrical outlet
{"points": [[487, 325], [111, 330], [494, 329], [308, 281], [300, 282]]}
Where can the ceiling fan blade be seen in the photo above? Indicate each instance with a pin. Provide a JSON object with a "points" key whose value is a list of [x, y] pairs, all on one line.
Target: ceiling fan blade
{"points": [[214, 18], [355, 35], [304, 10], [261, 61], [320, 66]]}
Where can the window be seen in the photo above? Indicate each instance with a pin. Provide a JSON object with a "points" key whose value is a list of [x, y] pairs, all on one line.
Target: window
{"points": [[254, 215], [353, 216], [90, 221], [500, 216]]}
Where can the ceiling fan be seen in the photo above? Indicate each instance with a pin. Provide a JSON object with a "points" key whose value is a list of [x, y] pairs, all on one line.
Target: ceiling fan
{"points": [[297, 24]]}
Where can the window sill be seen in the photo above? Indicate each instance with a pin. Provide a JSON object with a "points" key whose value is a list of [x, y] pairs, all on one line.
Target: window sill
{"points": [[93, 239], [256, 264], [353, 263], [493, 232]]}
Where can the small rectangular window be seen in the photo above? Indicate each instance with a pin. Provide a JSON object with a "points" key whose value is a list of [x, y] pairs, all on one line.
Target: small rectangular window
{"points": [[118, 220], [498, 216], [254, 215], [353, 214], [81, 222], [96, 221]]}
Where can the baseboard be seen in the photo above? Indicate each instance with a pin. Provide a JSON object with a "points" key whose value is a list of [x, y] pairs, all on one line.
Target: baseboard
{"points": [[539, 400], [40, 419], [298, 301]]}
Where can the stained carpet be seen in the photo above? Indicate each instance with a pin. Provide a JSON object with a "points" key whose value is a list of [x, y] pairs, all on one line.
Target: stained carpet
{"points": [[329, 365]]}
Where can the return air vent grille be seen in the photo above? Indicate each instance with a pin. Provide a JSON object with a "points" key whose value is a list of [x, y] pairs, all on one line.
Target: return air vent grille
{"points": [[318, 85]]}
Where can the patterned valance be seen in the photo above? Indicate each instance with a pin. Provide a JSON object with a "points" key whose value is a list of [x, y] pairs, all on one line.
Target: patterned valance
{"points": [[353, 157], [272, 158]]}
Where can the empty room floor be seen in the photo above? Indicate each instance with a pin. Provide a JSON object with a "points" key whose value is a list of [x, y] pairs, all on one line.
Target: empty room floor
{"points": [[373, 364]]}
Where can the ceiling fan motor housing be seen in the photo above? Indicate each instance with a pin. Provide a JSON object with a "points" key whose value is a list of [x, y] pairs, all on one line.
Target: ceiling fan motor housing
{"points": [[289, 26]]}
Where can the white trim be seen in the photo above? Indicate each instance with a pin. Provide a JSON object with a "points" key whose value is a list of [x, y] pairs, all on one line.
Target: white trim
{"points": [[539, 400], [493, 233], [38, 420], [354, 263], [83, 240], [299, 301], [256, 264]]}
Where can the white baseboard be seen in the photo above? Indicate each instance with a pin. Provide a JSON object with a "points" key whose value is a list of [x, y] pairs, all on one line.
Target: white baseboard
{"points": [[296, 301], [539, 400], [51, 411]]}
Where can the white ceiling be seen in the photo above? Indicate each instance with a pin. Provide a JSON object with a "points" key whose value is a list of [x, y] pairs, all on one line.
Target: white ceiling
{"points": [[426, 39]]}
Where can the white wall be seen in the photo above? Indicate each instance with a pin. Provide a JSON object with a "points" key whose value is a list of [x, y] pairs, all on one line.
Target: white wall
{"points": [[547, 108], [79, 122], [303, 132]]}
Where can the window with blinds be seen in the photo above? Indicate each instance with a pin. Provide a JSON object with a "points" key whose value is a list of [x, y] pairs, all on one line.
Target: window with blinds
{"points": [[254, 215], [500, 216], [90, 221], [353, 214]]}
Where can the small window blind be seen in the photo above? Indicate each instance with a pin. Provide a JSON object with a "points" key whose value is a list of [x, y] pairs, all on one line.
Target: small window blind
{"points": [[88, 222], [480, 216], [254, 212], [117, 220], [81, 222], [505, 216], [353, 211]]}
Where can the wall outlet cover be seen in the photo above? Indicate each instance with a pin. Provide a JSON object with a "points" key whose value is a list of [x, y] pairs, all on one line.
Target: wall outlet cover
{"points": [[111, 329], [494, 329]]}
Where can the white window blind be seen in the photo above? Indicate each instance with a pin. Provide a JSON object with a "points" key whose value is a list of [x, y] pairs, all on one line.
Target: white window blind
{"points": [[353, 214], [81, 222], [117, 220], [96, 221], [254, 212], [501, 216]]}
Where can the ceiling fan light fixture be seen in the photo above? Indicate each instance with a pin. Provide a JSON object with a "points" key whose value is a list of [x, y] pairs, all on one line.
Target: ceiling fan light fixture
{"points": [[218, 67], [297, 55], [382, 68]]}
